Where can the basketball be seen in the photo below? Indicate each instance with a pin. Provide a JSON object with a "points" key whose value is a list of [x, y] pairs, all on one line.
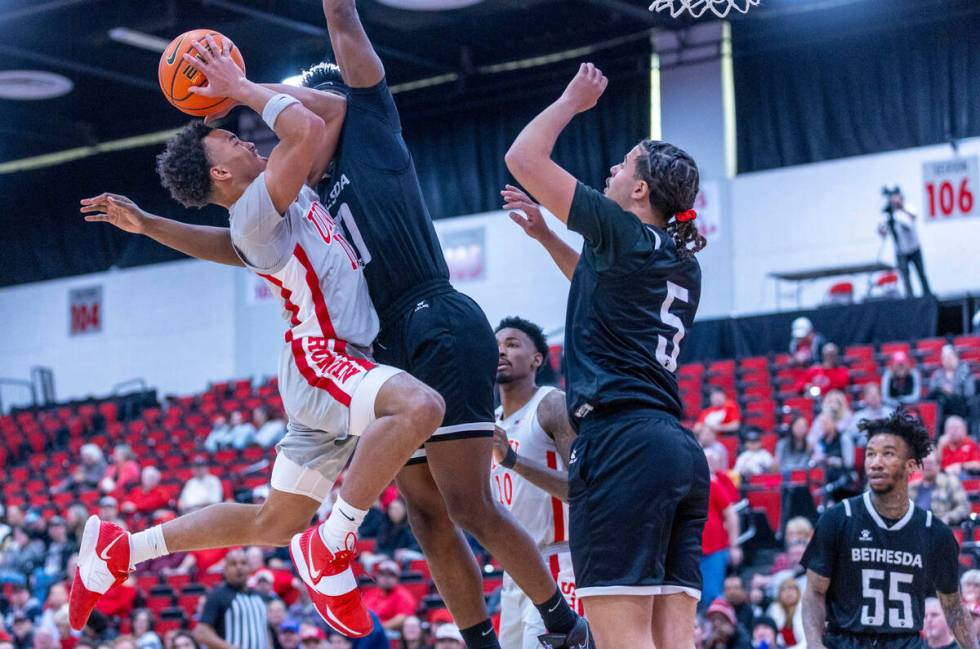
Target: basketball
{"points": [[177, 77]]}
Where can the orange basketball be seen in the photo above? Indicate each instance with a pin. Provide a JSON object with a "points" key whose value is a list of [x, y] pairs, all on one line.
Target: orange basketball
{"points": [[177, 77]]}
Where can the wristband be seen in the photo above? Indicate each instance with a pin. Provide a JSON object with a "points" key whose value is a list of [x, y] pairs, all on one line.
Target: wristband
{"points": [[275, 105], [510, 459]]}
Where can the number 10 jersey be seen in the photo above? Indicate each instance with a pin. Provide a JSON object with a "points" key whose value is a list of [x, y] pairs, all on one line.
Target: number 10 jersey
{"points": [[881, 571]]}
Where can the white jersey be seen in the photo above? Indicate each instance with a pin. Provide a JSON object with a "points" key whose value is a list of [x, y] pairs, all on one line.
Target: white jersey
{"points": [[311, 267], [544, 516]]}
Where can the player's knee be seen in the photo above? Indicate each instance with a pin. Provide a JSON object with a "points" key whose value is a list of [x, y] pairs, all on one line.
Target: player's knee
{"points": [[427, 410], [475, 514]]}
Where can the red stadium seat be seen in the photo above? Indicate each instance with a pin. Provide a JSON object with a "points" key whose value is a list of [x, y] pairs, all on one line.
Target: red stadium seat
{"points": [[730, 443], [771, 502], [766, 481], [963, 342], [859, 352], [928, 412]]}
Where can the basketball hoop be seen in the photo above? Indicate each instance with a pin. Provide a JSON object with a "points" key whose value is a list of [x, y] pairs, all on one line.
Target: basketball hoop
{"points": [[698, 8]]}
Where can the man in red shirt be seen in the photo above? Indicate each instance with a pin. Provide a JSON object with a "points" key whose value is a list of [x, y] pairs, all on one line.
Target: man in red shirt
{"points": [[827, 375], [719, 541], [722, 416], [958, 453], [149, 496], [392, 602]]}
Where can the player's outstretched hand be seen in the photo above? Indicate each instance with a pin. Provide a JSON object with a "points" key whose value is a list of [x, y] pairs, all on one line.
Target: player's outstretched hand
{"points": [[531, 221], [223, 74], [500, 444], [585, 89], [117, 210]]}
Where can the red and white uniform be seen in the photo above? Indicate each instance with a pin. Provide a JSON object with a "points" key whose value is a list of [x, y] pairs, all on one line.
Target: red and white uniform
{"points": [[544, 516], [327, 380]]}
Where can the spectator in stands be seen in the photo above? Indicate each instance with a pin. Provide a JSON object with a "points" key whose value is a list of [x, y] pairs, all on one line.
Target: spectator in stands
{"points": [[724, 631], [394, 534], [449, 637], [834, 449], [828, 375], [57, 597], [22, 555], [799, 531], [21, 604], [268, 430], [835, 406], [934, 627], [806, 344], [119, 601], [765, 633], [219, 437], [392, 602], [75, 519], [123, 473], [22, 632], [874, 408], [754, 459], [284, 583], [901, 384], [970, 585], [413, 636], [263, 583], [65, 634], [231, 609], [787, 613], [109, 511], [722, 414], [736, 595], [958, 453], [89, 472], [794, 452], [312, 637], [123, 642], [708, 439], [719, 542], [242, 432], [202, 489], [183, 639], [941, 492], [142, 625], [338, 641], [275, 614], [59, 549], [288, 635], [951, 385], [149, 496]]}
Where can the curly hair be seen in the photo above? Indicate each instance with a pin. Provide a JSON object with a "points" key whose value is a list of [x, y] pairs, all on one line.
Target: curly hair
{"points": [[184, 168], [533, 331], [673, 178], [325, 76], [901, 424]]}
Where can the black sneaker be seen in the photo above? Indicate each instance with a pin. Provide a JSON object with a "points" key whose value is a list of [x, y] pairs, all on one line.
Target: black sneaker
{"points": [[580, 637]]}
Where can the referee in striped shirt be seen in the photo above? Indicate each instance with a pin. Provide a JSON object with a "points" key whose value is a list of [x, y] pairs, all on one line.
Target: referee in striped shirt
{"points": [[234, 616]]}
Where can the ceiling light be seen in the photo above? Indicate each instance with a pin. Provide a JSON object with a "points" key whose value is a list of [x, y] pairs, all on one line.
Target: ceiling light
{"points": [[429, 5], [33, 84], [138, 39]]}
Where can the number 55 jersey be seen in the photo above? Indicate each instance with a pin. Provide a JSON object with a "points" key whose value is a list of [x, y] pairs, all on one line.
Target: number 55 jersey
{"points": [[881, 571]]}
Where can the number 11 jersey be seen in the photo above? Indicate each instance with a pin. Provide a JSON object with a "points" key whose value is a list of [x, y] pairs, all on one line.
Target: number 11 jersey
{"points": [[881, 571]]}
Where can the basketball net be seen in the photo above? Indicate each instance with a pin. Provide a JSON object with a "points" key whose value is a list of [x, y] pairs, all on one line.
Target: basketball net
{"points": [[698, 8]]}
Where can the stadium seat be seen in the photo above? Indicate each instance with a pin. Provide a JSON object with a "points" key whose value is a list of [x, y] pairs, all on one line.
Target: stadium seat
{"points": [[769, 501]]}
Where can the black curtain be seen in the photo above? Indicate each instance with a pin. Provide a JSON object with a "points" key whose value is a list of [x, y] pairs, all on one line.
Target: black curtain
{"points": [[869, 77], [458, 135]]}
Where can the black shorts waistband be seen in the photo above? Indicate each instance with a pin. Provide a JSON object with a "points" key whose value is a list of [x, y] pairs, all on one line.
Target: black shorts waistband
{"points": [[602, 416], [873, 639], [398, 309]]}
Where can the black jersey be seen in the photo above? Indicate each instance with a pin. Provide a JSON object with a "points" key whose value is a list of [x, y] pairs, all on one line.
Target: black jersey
{"points": [[373, 193], [880, 576], [632, 300]]}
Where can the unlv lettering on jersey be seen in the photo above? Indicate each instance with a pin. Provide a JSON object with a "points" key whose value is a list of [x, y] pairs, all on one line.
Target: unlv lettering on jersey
{"points": [[326, 226]]}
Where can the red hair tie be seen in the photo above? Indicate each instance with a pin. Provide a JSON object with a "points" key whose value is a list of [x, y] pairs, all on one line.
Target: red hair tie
{"points": [[685, 216]]}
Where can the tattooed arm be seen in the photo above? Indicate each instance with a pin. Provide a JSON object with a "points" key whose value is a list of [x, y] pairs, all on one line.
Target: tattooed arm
{"points": [[815, 609], [957, 619]]}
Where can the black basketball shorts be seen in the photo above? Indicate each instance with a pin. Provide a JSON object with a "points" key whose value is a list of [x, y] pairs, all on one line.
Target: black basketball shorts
{"points": [[445, 341], [638, 491]]}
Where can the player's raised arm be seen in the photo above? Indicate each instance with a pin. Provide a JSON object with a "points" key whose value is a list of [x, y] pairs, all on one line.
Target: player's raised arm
{"points": [[525, 213], [199, 241], [958, 620], [529, 157], [331, 108], [355, 55], [815, 609], [299, 130]]}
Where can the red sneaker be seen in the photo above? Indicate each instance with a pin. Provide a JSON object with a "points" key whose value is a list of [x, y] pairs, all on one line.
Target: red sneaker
{"points": [[331, 583], [103, 562]]}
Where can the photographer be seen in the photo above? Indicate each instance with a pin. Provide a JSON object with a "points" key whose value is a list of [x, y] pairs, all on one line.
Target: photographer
{"points": [[899, 220]]}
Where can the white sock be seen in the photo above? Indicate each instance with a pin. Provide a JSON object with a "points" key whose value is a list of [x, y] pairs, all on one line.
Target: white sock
{"points": [[344, 519], [146, 545]]}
